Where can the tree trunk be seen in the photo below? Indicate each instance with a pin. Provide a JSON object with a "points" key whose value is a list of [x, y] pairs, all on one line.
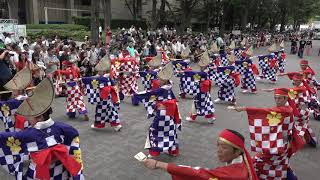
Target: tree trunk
{"points": [[186, 15], [134, 9], [162, 13], [154, 19], [244, 17], [139, 9], [107, 12], [13, 9], [94, 21]]}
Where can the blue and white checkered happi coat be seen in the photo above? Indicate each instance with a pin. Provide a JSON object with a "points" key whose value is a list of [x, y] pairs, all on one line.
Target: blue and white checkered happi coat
{"points": [[106, 110], [147, 77], [15, 147], [179, 65], [6, 112], [224, 60], [247, 77], [267, 72], [149, 98], [226, 85], [93, 85], [238, 52], [190, 82], [281, 62], [163, 130]]}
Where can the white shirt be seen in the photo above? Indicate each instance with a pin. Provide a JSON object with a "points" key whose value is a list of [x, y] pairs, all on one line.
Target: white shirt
{"points": [[237, 160], [7, 41], [44, 124]]}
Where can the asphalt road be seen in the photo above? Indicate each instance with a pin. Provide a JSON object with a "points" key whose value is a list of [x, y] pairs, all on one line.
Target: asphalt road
{"points": [[108, 155]]}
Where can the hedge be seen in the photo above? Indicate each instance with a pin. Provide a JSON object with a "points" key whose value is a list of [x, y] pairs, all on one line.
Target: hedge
{"points": [[51, 33], [70, 27], [115, 23]]}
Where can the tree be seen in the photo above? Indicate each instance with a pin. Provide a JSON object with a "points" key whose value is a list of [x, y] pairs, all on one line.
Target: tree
{"points": [[135, 8], [106, 4], [185, 11], [95, 21], [13, 8]]}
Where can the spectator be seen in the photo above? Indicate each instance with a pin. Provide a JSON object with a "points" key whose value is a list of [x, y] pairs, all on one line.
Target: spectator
{"points": [[5, 72], [51, 62]]}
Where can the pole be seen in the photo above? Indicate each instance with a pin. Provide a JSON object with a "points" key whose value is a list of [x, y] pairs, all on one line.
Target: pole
{"points": [[46, 14]]}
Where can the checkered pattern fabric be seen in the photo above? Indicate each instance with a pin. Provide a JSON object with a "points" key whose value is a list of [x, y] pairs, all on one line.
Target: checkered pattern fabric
{"points": [[267, 72], [203, 104], [150, 98], [107, 111], [237, 52], [7, 109], [7, 122], [212, 73], [224, 60], [75, 99], [58, 87], [226, 86], [247, 78], [239, 67], [281, 61], [302, 122], [271, 166], [15, 148], [56, 170], [128, 81], [263, 62], [163, 133], [12, 162], [93, 85], [267, 136], [179, 65], [190, 82], [146, 79]]}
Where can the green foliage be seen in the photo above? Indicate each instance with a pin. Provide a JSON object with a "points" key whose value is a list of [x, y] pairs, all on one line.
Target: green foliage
{"points": [[71, 27], [115, 23], [77, 35]]}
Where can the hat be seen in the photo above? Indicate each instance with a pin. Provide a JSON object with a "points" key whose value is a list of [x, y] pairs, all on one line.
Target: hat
{"points": [[272, 48], [231, 57], [235, 141], [204, 59], [214, 47], [103, 64], [186, 52], [166, 72], [39, 101], [20, 81], [282, 44], [232, 45], [243, 42], [156, 61]]}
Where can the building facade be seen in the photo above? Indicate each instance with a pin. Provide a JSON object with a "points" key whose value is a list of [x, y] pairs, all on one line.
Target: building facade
{"points": [[33, 11]]}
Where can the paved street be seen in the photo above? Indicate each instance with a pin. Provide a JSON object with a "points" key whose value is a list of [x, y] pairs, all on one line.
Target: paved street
{"points": [[109, 155]]}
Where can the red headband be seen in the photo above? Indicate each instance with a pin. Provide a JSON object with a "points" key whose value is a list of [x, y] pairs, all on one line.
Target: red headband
{"points": [[304, 62], [295, 76], [235, 141], [281, 92]]}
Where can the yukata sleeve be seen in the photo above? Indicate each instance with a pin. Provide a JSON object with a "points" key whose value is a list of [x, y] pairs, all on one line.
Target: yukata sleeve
{"points": [[72, 141], [12, 153]]}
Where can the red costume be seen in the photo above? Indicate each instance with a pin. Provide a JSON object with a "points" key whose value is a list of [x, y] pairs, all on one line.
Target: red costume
{"points": [[235, 171]]}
